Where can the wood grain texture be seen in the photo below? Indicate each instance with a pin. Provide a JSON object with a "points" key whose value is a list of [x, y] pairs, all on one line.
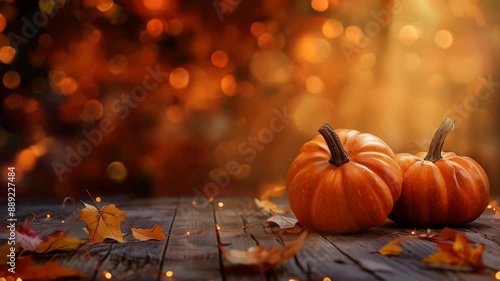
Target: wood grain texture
{"points": [[197, 257]]}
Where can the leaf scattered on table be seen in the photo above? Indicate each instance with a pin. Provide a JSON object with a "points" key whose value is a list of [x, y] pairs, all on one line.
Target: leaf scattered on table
{"points": [[392, 248], [459, 255], [447, 234], [282, 221], [268, 205], [52, 270], [144, 234], [27, 237], [262, 258], [58, 241], [103, 223]]}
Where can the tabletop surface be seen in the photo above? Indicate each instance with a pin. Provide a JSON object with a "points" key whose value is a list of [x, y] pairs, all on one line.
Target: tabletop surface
{"points": [[194, 235]]}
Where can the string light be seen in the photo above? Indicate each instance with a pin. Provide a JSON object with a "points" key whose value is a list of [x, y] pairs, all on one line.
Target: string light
{"points": [[98, 199], [327, 279], [47, 216], [169, 273], [217, 226], [107, 274], [497, 275], [220, 204], [193, 203], [188, 233]]}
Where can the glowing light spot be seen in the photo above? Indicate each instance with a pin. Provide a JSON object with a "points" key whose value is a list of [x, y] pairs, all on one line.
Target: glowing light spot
{"points": [[7, 54], [30, 106], [257, 28], [93, 110], [107, 274], [179, 78], [314, 50], [98, 199], [293, 279], [412, 61], [497, 275], [116, 171], [68, 86], [155, 5], [25, 160], [188, 233], [62, 221], [443, 39], [154, 27], [104, 5], [332, 28], [314, 84], [11, 79], [45, 40], [117, 64], [408, 35], [48, 216], [220, 204], [13, 102], [169, 273], [217, 226], [3, 22], [413, 232], [193, 203], [354, 35], [327, 279], [265, 40], [175, 27], [228, 85], [210, 199], [219, 58], [319, 5]]}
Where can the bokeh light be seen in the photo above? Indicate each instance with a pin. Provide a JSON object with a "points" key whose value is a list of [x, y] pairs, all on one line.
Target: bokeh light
{"points": [[11, 79], [116, 171], [443, 39], [179, 78]]}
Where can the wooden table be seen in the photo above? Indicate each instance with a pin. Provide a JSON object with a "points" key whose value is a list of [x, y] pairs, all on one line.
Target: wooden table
{"points": [[197, 257]]}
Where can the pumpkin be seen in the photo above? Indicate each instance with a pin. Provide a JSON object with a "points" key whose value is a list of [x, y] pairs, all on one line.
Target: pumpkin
{"points": [[440, 188], [343, 181]]}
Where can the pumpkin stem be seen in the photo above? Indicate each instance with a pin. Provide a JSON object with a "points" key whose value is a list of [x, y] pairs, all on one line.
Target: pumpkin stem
{"points": [[437, 142], [339, 155]]}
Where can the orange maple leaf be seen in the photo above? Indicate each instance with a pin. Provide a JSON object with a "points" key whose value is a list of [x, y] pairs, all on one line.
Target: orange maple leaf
{"points": [[459, 255], [270, 206], [52, 270], [262, 258], [58, 241], [392, 248], [144, 234], [103, 223]]}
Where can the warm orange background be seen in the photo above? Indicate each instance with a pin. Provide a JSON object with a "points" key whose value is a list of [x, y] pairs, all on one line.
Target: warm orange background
{"points": [[229, 70]]}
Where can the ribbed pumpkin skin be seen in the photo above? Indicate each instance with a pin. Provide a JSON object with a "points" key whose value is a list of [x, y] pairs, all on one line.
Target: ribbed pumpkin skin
{"points": [[350, 198], [451, 191]]}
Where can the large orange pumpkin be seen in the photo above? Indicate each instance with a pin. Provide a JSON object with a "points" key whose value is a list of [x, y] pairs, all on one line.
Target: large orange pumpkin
{"points": [[440, 188], [343, 181]]}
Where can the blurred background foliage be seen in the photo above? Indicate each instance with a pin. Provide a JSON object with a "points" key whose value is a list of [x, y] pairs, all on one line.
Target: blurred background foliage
{"points": [[391, 68]]}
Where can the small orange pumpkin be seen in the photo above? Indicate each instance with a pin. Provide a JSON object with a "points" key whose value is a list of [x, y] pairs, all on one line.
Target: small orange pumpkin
{"points": [[343, 181], [440, 188]]}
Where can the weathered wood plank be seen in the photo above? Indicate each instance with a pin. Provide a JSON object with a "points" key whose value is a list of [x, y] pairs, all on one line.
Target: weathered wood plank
{"points": [[193, 257], [408, 266], [139, 260], [316, 260]]}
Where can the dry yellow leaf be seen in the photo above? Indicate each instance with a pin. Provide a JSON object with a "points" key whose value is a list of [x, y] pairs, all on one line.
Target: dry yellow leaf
{"points": [[262, 258], [58, 241], [392, 248], [103, 223], [144, 234], [459, 255]]}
